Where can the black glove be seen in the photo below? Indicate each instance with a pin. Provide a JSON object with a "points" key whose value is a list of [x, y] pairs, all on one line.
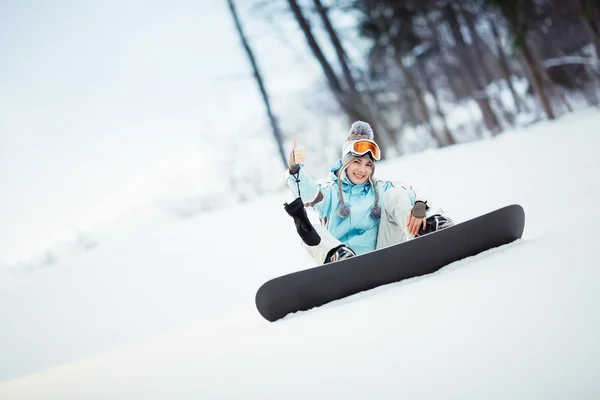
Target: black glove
{"points": [[303, 226]]}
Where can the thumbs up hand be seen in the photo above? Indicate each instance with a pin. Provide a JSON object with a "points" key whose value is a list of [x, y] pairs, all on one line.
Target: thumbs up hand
{"points": [[297, 156]]}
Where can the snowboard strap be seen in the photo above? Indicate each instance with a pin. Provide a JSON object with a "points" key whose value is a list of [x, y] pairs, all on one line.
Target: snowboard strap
{"points": [[297, 178]]}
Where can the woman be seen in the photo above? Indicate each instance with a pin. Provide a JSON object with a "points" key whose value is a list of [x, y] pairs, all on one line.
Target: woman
{"points": [[358, 213]]}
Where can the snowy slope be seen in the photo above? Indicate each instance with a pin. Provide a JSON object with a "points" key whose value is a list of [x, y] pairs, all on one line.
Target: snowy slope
{"points": [[164, 308]]}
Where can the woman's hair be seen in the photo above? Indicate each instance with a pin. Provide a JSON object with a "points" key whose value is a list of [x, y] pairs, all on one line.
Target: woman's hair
{"points": [[343, 209]]}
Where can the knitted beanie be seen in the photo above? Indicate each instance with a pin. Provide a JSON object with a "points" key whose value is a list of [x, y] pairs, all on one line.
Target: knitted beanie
{"points": [[359, 130]]}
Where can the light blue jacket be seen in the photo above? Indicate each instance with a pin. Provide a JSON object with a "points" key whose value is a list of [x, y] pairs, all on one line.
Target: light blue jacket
{"points": [[357, 231]]}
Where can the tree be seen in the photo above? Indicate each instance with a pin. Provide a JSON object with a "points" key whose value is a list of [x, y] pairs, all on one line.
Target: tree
{"points": [[261, 86], [515, 14], [337, 45], [348, 98], [590, 15], [469, 61], [505, 67], [390, 27]]}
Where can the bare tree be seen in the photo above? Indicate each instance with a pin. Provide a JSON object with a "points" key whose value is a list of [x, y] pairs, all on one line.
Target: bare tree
{"points": [[337, 45], [259, 80], [432, 24], [475, 80], [478, 45], [536, 78], [448, 138], [349, 100], [590, 15], [422, 50], [505, 68], [515, 13]]}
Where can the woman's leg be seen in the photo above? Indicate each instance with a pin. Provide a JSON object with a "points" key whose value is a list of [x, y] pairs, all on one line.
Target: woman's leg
{"points": [[328, 243], [396, 207]]}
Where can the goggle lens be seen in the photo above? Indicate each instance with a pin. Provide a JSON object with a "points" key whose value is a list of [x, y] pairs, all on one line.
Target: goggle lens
{"points": [[362, 147]]}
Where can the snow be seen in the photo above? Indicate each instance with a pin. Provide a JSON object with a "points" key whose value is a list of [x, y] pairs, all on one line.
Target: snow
{"points": [[163, 307]]}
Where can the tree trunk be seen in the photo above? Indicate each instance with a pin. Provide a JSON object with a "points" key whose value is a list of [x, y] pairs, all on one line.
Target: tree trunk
{"points": [[589, 15], [469, 63], [259, 80], [425, 117], [480, 49], [555, 88], [350, 103], [435, 35], [536, 79], [505, 68], [448, 137], [337, 45], [385, 29], [352, 96], [412, 83], [478, 46], [590, 91], [547, 79], [513, 12], [407, 97], [332, 79]]}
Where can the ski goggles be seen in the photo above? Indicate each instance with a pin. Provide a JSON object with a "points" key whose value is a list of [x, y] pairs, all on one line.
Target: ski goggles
{"points": [[362, 147]]}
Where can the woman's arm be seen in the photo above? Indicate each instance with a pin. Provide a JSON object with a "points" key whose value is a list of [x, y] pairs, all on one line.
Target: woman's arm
{"points": [[313, 194], [414, 193], [304, 185]]}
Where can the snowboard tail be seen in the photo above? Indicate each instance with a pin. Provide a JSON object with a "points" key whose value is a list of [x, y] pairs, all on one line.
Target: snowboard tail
{"points": [[303, 290]]}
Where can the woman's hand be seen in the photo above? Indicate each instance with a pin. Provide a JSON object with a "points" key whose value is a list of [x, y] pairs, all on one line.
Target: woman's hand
{"points": [[297, 156], [415, 224], [417, 217]]}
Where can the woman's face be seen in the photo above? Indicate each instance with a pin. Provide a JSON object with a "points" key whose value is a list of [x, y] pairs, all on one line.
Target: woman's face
{"points": [[360, 170]]}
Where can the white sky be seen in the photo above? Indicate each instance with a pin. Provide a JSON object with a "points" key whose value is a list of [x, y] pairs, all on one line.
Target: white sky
{"points": [[103, 103]]}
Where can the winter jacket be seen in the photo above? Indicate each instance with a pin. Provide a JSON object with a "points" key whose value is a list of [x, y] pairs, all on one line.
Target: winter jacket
{"points": [[359, 230]]}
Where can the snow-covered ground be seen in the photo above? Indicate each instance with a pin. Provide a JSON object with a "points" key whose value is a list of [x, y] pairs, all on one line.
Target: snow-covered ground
{"points": [[164, 308]]}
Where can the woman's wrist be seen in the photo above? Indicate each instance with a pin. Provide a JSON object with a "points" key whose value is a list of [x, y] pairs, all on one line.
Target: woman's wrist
{"points": [[419, 210]]}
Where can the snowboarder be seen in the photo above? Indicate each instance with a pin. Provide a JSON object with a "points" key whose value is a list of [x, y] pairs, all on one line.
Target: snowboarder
{"points": [[358, 213]]}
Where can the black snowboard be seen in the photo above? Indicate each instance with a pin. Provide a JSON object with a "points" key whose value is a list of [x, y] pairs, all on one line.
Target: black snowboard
{"points": [[316, 286]]}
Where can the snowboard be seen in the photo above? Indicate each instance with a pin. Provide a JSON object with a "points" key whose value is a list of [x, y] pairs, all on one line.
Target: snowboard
{"points": [[303, 290]]}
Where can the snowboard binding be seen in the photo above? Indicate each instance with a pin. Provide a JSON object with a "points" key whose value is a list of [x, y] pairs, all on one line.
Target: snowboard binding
{"points": [[304, 227], [339, 253], [434, 223]]}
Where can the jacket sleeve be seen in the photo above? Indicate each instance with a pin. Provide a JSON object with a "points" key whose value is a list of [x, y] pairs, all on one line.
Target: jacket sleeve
{"points": [[414, 193], [313, 194]]}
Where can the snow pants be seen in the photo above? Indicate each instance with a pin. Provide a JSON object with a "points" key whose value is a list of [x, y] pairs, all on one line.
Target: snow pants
{"points": [[395, 210]]}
